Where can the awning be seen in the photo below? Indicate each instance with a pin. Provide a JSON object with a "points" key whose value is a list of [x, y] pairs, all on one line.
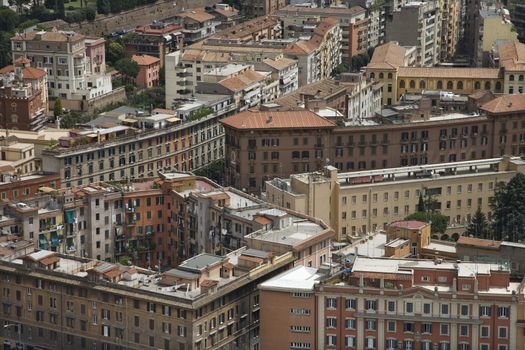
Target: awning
{"points": [[46, 189], [173, 120], [54, 239], [70, 216], [42, 242]]}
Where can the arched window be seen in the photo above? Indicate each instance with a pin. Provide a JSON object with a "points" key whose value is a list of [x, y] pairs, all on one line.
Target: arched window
{"points": [[511, 77], [520, 78], [460, 85], [440, 84], [450, 85], [412, 84], [421, 84], [381, 75], [401, 84], [487, 85], [372, 75], [14, 118], [477, 85], [390, 76], [498, 87]]}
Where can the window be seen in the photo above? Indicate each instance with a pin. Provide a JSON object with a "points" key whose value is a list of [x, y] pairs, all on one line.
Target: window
{"points": [[391, 326], [463, 330], [350, 323], [370, 305], [351, 304], [444, 329], [485, 311], [350, 341], [426, 328], [331, 340], [427, 309], [331, 303], [391, 306], [370, 343], [409, 308], [503, 312], [484, 331], [444, 309], [391, 344], [502, 332], [370, 325], [464, 310], [331, 322], [408, 327]]}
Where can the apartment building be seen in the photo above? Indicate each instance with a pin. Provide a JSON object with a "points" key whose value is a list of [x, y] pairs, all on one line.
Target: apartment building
{"points": [[351, 20], [318, 56], [149, 69], [363, 97], [389, 304], [71, 74], [399, 79], [197, 24], [501, 252], [451, 28], [227, 15], [23, 96], [511, 58], [65, 302], [368, 201], [246, 86], [118, 153], [418, 24], [395, 142], [493, 26], [185, 68], [259, 8], [16, 187], [156, 39], [283, 70]]}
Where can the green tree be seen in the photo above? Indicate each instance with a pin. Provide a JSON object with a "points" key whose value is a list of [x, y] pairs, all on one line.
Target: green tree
{"points": [[213, 171], [479, 227], [508, 207], [58, 110], [128, 68], [114, 52], [439, 222], [8, 19], [103, 7], [421, 204]]}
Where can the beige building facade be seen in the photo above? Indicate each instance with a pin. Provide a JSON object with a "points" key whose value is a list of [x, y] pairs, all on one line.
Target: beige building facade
{"points": [[361, 202]]}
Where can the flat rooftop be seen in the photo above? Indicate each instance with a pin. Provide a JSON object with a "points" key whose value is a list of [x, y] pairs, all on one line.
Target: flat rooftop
{"points": [[300, 278], [299, 231]]}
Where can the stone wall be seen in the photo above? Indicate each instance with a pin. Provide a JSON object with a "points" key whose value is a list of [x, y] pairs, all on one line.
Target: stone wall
{"points": [[106, 24], [115, 96]]}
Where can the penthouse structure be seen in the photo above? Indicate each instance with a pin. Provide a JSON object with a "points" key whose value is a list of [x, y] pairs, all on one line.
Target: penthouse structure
{"points": [[156, 39], [363, 202], [253, 156], [391, 304]]}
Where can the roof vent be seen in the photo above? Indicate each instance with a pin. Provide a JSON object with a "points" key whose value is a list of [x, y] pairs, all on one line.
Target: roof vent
{"points": [[510, 104], [269, 120]]}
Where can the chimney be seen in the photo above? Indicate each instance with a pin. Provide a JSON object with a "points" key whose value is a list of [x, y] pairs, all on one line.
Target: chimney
{"points": [[269, 119]]}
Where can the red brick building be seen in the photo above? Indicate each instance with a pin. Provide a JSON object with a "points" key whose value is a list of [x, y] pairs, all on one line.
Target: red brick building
{"points": [[392, 304]]}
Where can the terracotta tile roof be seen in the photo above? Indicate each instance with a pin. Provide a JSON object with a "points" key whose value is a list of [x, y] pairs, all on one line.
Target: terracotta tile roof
{"points": [[22, 60], [199, 15], [262, 220], [276, 120], [280, 63], [145, 60], [28, 73], [478, 242], [7, 69], [300, 48], [227, 13], [512, 56], [33, 73], [448, 73], [325, 25], [49, 260], [409, 224], [322, 89], [242, 80], [480, 94], [505, 104], [389, 55], [53, 35], [248, 28]]}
